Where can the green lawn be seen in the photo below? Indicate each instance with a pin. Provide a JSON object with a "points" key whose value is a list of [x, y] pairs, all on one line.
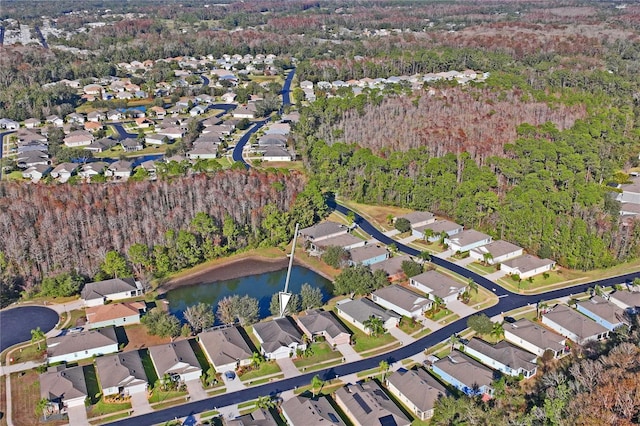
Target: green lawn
{"points": [[366, 343], [266, 368], [410, 326], [109, 419], [481, 268], [149, 369], [202, 358], [161, 396], [439, 315], [540, 283], [91, 379], [102, 407], [29, 353], [321, 352]]}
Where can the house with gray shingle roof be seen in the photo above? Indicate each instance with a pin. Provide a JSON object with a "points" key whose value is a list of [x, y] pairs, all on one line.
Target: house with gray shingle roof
{"points": [[345, 241], [574, 325], [301, 411], [503, 356], [101, 292], [322, 231], [63, 387], [627, 300], [604, 312], [535, 338], [418, 219], [121, 374], [496, 252], [76, 346], [527, 266], [323, 323], [259, 417], [358, 311], [278, 338], [366, 404], [465, 374], [467, 240], [417, 389], [402, 300], [225, 348], [368, 254], [432, 231], [176, 359], [435, 284]]}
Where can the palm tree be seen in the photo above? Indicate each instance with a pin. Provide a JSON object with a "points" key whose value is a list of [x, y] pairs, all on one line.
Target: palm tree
{"points": [[473, 285], [438, 302], [384, 367], [498, 330], [486, 257], [316, 382], [37, 336], [375, 326], [540, 306], [425, 256], [264, 402], [256, 359]]}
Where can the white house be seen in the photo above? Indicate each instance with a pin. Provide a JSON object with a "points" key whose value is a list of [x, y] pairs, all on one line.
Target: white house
{"points": [[64, 171], [527, 266], [574, 325], [535, 338], [120, 169], [225, 348], [276, 154], [63, 388], [436, 284], [418, 219], [465, 374], [100, 292], [432, 231], [116, 314], [418, 390], [401, 300], [627, 300], [278, 338], [496, 252], [503, 356], [121, 374], [358, 311], [176, 359], [467, 240], [76, 346]]}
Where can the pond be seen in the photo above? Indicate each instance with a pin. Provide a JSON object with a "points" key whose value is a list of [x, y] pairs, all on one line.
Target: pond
{"points": [[16, 323], [261, 286]]}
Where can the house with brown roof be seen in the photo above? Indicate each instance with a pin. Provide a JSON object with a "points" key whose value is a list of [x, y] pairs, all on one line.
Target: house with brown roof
{"points": [[63, 388], [225, 348], [401, 300], [177, 360], [122, 374], [76, 346], [367, 404], [574, 325], [301, 411], [392, 267], [417, 389], [115, 314], [323, 323], [535, 338], [435, 284]]}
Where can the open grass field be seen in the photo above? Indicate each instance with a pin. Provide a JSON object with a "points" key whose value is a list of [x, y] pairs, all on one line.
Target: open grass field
{"points": [[322, 352], [366, 343], [376, 214]]}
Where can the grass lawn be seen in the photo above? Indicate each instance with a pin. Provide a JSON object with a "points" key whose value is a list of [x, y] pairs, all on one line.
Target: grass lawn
{"points": [[558, 278], [378, 214], [481, 268], [29, 353], [202, 359], [266, 380], [16, 175], [102, 407], [287, 165], [439, 315], [409, 327], [139, 338], [432, 248], [93, 388], [77, 318], [322, 352], [421, 333], [149, 369], [316, 264], [249, 330], [162, 396], [266, 368], [327, 389], [109, 419], [25, 394], [366, 343]]}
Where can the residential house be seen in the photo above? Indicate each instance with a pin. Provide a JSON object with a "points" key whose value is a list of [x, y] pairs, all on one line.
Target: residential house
{"points": [[433, 231], [72, 347], [92, 127], [496, 252], [392, 267], [204, 98], [345, 241], [31, 123], [439, 285], [8, 124], [64, 171], [92, 89], [574, 325], [32, 158], [63, 388], [467, 240], [225, 348], [274, 153], [202, 151], [177, 360], [419, 219], [101, 145], [89, 170], [465, 374], [212, 122], [325, 324], [78, 138], [37, 172], [150, 167], [627, 300], [172, 132], [246, 111], [366, 404], [401, 300], [120, 169], [156, 139], [115, 314], [322, 231], [259, 417], [604, 312], [527, 266], [417, 389], [503, 356], [96, 116], [131, 145], [75, 118], [197, 110], [122, 374], [535, 338], [278, 129], [301, 411], [158, 111], [100, 292], [272, 141], [114, 115], [55, 120], [144, 122], [368, 255], [228, 97], [630, 192], [358, 311], [278, 338]]}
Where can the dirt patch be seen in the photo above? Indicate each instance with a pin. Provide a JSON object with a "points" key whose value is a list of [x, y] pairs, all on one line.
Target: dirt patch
{"points": [[25, 393], [138, 338], [3, 402]]}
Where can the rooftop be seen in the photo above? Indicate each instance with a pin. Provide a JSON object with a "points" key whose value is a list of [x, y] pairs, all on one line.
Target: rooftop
{"points": [[370, 405], [498, 248], [323, 229], [225, 345], [470, 236], [322, 321], [626, 298], [440, 226], [277, 333], [505, 353], [402, 298], [440, 284], [362, 309], [343, 240], [536, 334], [574, 321], [123, 369], [63, 383], [176, 357], [112, 311], [83, 341], [419, 387], [527, 262], [302, 411], [360, 254], [604, 309], [100, 289], [259, 417], [466, 369], [417, 217]]}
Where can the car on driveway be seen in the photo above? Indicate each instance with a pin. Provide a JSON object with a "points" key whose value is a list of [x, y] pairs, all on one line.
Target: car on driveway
{"points": [[230, 375]]}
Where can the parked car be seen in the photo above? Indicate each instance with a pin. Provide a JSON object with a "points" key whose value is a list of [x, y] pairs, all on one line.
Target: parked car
{"points": [[230, 375]]}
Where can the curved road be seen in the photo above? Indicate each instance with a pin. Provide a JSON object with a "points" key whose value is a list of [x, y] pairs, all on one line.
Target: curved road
{"points": [[506, 301], [18, 322]]}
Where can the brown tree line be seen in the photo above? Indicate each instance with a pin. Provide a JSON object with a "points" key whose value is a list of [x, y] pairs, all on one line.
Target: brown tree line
{"points": [[48, 229], [452, 120]]}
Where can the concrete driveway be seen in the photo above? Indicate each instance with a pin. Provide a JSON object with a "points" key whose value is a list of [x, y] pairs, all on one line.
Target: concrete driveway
{"points": [[461, 309], [77, 416], [140, 403], [196, 392], [288, 367], [348, 352], [401, 336], [233, 385]]}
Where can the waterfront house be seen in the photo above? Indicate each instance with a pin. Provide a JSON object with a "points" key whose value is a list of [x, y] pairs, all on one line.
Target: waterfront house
{"points": [[116, 314], [368, 255], [401, 300], [177, 360], [72, 347], [323, 323], [101, 292], [278, 338], [225, 348]]}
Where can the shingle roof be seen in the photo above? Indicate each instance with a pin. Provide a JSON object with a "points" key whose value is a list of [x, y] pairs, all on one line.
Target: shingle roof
{"points": [[100, 289], [470, 236], [83, 341], [370, 405], [225, 346], [498, 248], [167, 357], [260, 417], [536, 335], [527, 263], [402, 298], [344, 240], [319, 321], [575, 322], [417, 217], [322, 230], [124, 369], [112, 311], [311, 412], [440, 226], [604, 309], [64, 383], [391, 266], [466, 369], [627, 298], [362, 309], [277, 333], [505, 353], [440, 284], [419, 387], [360, 254]]}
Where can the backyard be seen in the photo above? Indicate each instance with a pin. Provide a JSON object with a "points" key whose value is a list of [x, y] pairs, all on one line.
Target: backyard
{"points": [[25, 394]]}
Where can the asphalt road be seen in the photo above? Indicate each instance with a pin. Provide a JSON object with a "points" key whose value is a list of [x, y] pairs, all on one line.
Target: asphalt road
{"points": [[18, 322], [506, 302]]}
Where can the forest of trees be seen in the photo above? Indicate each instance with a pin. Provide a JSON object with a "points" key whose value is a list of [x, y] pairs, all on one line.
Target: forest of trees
{"points": [[160, 226]]}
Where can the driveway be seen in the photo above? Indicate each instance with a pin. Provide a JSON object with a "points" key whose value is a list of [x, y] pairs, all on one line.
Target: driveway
{"points": [[445, 254], [140, 403], [196, 392], [233, 385], [401, 336], [495, 276], [466, 261], [348, 352], [77, 416], [461, 309], [288, 367]]}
